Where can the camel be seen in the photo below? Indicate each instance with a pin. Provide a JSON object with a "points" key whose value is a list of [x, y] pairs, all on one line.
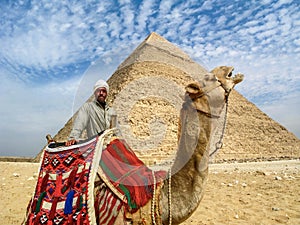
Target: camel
{"points": [[202, 106], [181, 193], [170, 200]]}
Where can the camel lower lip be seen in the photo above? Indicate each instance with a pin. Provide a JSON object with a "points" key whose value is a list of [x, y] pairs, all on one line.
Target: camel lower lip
{"points": [[238, 78]]}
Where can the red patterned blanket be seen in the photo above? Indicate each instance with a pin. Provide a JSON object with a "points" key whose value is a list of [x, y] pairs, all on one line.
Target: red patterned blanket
{"points": [[64, 187], [64, 193], [128, 174]]}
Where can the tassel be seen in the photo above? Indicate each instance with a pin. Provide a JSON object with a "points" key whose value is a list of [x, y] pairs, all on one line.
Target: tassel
{"points": [[33, 207], [72, 177], [37, 218], [30, 219], [82, 176], [39, 202], [44, 183], [79, 202], [56, 195], [63, 190], [58, 187], [79, 218], [71, 180], [70, 219], [69, 202], [53, 208]]}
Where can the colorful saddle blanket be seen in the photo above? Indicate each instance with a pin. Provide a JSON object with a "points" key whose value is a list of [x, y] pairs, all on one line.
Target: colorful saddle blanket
{"points": [[129, 176], [64, 193], [64, 190]]}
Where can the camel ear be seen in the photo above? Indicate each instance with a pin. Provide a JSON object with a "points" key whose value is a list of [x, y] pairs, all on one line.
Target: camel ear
{"points": [[194, 90]]}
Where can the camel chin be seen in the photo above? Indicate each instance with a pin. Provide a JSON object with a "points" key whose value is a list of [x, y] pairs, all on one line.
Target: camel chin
{"points": [[225, 75]]}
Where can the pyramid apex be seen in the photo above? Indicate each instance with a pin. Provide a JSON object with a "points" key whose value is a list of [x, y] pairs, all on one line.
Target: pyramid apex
{"points": [[154, 37], [158, 49]]}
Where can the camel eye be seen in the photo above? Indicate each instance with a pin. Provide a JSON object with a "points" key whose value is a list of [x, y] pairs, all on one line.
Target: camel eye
{"points": [[230, 74]]}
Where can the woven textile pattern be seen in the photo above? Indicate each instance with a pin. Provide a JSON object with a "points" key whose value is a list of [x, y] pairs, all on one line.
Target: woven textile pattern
{"points": [[64, 193], [107, 205], [61, 195], [128, 174]]}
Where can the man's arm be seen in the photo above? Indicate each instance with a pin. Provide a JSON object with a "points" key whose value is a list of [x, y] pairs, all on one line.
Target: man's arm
{"points": [[78, 126]]}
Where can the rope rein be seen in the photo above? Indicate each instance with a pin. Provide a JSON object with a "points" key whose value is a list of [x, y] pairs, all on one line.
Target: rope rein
{"points": [[153, 199], [170, 196], [219, 144]]}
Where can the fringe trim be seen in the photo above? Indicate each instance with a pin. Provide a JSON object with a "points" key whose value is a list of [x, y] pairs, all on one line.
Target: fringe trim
{"points": [[94, 168]]}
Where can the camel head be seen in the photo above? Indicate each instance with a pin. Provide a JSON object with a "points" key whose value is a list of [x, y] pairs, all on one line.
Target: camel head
{"points": [[224, 75], [209, 95]]}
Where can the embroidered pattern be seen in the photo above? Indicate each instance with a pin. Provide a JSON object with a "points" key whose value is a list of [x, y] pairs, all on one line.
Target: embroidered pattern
{"points": [[62, 193]]}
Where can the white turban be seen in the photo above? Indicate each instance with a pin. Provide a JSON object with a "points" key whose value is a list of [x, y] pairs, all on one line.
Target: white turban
{"points": [[101, 84]]}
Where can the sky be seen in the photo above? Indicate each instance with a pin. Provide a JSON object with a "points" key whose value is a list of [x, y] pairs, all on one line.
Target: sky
{"points": [[52, 52]]}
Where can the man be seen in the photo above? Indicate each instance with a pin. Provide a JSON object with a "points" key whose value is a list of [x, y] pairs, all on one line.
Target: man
{"points": [[94, 116]]}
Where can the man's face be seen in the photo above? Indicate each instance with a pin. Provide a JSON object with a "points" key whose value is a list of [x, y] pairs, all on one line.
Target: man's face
{"points": [[101, 94]]}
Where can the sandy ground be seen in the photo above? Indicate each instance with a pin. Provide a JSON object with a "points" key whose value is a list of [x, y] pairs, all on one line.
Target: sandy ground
{"points": [[247, 193]]}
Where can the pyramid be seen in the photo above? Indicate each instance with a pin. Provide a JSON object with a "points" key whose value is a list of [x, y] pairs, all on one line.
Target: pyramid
{"points": [[147, 92]]}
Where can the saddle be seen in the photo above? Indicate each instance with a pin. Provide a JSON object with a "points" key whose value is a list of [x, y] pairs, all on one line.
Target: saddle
{"points": [[64, 193]]}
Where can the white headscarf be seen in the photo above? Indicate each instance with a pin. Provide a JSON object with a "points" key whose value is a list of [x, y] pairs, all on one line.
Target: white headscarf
{"points": [[101, 83]]}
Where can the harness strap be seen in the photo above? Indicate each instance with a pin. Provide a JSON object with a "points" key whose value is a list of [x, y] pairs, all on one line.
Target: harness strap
{"points": [[207, 89], [212, 87]]}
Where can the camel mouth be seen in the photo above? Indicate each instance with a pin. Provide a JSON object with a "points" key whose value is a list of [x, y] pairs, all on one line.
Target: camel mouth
{"points": [[237, 78], [226, 77]]}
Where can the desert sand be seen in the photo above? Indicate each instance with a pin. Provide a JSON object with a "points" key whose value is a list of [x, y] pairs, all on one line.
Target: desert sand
{"points": [[236, 193]]}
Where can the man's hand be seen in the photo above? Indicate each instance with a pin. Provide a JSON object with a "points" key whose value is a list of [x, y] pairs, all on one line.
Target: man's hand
{"points": [[70, 142]]}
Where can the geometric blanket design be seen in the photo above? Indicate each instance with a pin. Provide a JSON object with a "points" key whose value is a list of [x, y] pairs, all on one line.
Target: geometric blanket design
{"points": [[64, 190], [128, 174], [130, 182]]}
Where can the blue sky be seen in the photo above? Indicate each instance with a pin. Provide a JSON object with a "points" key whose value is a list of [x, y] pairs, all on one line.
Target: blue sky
{"points": [[52, 52]]}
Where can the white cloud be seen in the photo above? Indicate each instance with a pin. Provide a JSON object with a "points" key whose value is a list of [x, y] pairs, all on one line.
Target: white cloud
{"points": [[127, 16], [280, 3], [207, 5], [165, 7], [222, 20], [266, 2], [114, 26], [61, 36], [124, 2]]}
